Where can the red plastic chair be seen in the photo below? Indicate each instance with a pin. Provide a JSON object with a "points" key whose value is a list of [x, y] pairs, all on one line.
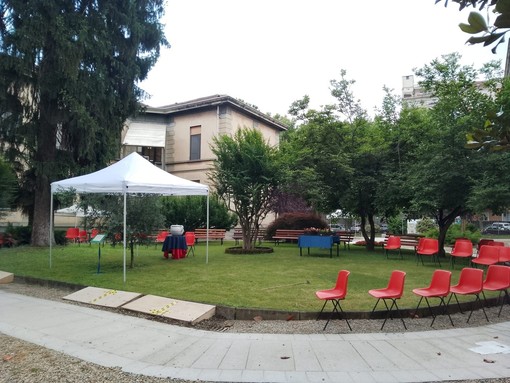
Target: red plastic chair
{"points": [[463, 248], [470, 283], [504, 255], [393, 243], [160, 238], [93, 233], [430, 248], [488, 255], [190, 242], [497, 243], [335, 295], [498, 279], [392, 292], [484, 241], [83, 236], [73, 234], [439, 288]]}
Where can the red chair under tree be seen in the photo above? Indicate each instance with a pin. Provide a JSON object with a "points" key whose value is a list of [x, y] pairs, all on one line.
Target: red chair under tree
{"points": [[393, 244], [392, 292], [73, 234], [487, 255], [335, 295], [430, 247], [463, 249]]}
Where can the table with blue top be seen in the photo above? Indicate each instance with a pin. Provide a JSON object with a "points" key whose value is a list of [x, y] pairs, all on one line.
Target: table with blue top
{"points": [[175, 244], [321, 241]]}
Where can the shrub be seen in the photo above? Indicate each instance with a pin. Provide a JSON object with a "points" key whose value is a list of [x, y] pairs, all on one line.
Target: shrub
{"points": [[424, 225], [296, 221], [21, 234], [454, 232], [60, 237]]}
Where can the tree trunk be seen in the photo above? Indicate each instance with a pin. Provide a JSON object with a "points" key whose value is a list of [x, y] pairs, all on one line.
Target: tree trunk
{"points": [[41, 223], [369, 237], [44, 168], [444, 222]]}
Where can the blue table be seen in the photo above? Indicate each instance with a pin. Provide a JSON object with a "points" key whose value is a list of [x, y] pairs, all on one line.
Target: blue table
{"points": [[175, 244], [321, 241]]}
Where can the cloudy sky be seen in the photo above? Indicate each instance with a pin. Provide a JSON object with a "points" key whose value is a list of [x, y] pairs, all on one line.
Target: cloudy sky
{"points": [[272, 52]]}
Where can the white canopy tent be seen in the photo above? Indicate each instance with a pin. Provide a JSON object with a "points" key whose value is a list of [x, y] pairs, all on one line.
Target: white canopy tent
{"points": [[132, 174]]}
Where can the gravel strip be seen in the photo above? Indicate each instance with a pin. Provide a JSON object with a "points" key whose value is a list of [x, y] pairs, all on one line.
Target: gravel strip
{"points": [[26, 362]]}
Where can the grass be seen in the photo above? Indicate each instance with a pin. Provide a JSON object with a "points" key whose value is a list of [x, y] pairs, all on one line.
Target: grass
{"points": [[281, 280]]}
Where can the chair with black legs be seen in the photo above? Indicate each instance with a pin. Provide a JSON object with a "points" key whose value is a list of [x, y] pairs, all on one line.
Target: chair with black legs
{"points": [[392, 292], [498, 279], [335, 295], [470, 283], [439, 288]]}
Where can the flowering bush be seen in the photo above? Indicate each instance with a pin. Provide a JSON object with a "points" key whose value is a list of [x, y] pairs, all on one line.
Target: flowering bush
{"points": [[317, 231]]}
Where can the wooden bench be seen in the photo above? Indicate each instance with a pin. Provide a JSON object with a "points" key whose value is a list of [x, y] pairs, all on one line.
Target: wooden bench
{"points": [[286, 235], [346, 237], [411, 240], [213, 234], [238, 235]]}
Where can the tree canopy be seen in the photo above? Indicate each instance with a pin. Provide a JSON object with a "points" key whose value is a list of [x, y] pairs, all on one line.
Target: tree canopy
{"points": [[68, 80], [245, 175]]}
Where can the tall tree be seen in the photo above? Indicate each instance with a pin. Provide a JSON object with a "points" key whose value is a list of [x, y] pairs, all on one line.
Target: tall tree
{"points": [[245, 175], [68, 80], [441, 172]]}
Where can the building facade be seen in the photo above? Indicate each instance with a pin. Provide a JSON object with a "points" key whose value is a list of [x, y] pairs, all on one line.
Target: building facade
{"points": [[178, 137]]}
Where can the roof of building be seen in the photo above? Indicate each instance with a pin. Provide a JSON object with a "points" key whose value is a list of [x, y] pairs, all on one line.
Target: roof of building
{"points": [[216, 100]]}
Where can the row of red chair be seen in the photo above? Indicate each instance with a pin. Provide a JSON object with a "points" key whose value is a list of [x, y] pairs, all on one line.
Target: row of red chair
{"points": [[490, 252], [426, 247], [74, 234], [470, 282]]}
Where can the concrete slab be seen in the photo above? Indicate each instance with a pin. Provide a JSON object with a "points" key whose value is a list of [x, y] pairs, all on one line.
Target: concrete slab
{"points": [[102, 297], [6, 277], [189, 312]]}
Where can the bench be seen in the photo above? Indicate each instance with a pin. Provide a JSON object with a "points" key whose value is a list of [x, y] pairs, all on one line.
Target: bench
{"points": [[346, 237], [238, 235], [213, 234], [411, 240], [286, 235]]}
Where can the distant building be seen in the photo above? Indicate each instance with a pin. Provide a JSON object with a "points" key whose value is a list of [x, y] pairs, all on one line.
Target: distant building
{"points": [[415, 95]]}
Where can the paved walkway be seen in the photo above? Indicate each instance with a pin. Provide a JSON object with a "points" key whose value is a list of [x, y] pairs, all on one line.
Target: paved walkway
{"points": [[152, 348]]}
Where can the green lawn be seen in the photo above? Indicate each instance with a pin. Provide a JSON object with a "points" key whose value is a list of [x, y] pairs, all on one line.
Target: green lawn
{"points": [[281, 280]]}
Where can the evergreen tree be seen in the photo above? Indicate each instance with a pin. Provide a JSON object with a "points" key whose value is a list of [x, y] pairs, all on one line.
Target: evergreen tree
{"points": [[68, 81]]}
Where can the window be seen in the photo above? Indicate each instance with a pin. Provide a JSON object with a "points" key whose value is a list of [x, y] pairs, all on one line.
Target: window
{"points": [[194, 142], [150, 153]]}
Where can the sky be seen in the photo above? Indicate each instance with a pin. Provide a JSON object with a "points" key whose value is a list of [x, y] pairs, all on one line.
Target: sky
{"points": [[270, 53]]}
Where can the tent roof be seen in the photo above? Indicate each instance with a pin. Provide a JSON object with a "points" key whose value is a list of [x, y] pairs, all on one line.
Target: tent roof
{"points": [[132, 174]]}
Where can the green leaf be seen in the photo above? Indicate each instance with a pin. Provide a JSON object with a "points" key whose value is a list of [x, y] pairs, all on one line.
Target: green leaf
{"points": [[503, 6], [477, 21], [477, 40], [467, 28], [502, 21], [491, 39]]}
